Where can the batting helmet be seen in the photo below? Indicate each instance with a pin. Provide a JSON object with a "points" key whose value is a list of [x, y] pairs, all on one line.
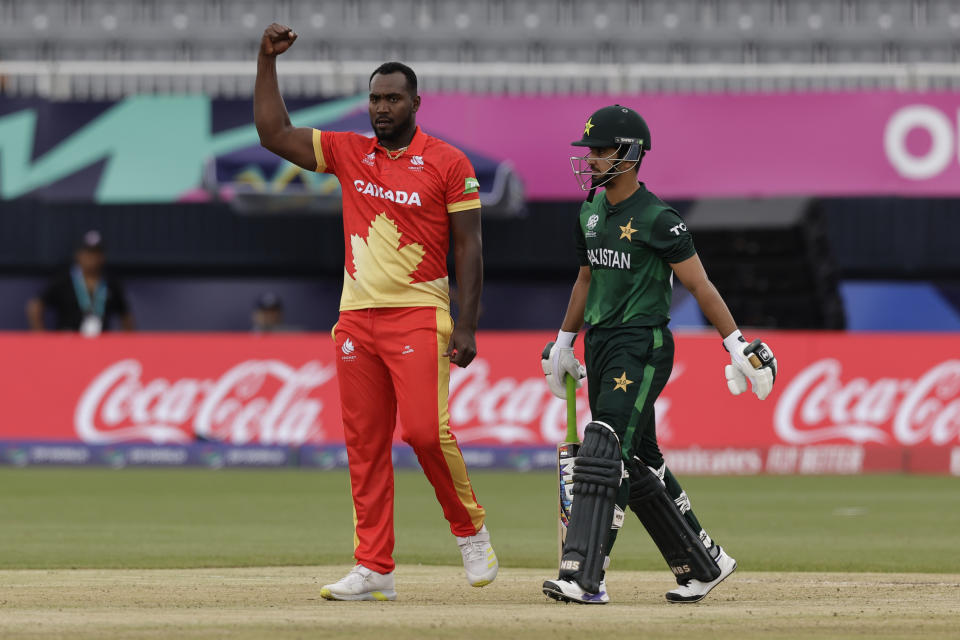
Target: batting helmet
{"points": [[613, 126]]}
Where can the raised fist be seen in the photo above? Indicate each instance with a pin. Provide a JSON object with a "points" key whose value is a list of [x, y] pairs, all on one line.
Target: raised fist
{"points": [[277, 38]]}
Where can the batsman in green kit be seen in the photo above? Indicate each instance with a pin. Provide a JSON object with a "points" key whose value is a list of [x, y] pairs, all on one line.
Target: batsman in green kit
{"points": [[631, 245]]}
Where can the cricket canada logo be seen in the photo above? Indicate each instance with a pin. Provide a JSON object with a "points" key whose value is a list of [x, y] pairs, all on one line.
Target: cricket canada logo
{"points": [[368, 159], [348, 350]]}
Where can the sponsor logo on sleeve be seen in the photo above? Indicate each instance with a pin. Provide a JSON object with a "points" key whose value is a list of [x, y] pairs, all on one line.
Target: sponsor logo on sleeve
{"points": [[471, 185]]}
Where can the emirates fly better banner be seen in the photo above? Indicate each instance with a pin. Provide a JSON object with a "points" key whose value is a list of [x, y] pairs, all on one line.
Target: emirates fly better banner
{"points": [[842, 403]]}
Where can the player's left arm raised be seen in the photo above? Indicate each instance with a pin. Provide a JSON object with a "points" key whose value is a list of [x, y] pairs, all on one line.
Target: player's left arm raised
{"points": [[753, 361], [468, 262]]}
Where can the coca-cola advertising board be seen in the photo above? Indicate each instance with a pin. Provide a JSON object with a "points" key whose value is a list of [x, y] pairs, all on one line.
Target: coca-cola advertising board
{"points": [[841, 402]]}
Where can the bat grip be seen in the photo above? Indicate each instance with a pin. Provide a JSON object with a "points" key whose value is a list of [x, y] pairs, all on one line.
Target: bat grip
{"points": [[571, 409]]}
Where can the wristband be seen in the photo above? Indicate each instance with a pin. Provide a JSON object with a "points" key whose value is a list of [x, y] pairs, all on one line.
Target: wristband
{"points": [[731, 340], [565, 339]]}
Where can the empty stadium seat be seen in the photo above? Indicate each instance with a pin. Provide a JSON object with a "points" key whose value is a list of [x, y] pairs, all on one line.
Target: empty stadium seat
{"points": [[554, 32]]}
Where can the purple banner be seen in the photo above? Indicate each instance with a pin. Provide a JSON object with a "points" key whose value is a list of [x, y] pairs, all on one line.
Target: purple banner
{"points": [[827, 144], [778, 459], [520, 458], [24, 453]]}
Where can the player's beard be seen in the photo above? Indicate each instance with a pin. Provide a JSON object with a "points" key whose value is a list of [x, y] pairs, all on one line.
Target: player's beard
{"points": [[603, 178], [395, 132], [608, 176]]}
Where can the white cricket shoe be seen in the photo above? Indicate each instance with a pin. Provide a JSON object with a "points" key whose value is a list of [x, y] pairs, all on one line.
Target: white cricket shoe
{"points": [[361, 584], [479, 560], [570, 591], [694, 590]]}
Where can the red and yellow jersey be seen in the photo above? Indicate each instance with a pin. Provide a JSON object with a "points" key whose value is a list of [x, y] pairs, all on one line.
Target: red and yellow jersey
{"points": [[396, 224]]}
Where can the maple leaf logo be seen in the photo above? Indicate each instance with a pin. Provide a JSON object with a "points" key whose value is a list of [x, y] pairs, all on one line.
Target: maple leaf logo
{"points": [[383, 271], [380, 258]]}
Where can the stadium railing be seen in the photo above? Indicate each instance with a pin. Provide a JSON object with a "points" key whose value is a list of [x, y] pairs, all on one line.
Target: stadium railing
{"points": [[110, 79]]}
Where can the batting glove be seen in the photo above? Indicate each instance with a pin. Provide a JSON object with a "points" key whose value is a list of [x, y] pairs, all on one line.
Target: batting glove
{"points": [[558, 362], [753, 362]]}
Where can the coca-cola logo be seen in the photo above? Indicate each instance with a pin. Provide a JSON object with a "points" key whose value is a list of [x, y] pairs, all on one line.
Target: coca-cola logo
{"points": [[504, 409], [818, 405], [265, 401], [510, 410], [269, 401]]}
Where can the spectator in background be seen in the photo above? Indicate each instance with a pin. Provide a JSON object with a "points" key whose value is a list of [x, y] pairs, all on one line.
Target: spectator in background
{"points": [[83, 298], [268, 314]]}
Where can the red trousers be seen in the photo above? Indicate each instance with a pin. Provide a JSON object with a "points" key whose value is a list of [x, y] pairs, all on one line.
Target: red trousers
{"points": [[389, 361]]}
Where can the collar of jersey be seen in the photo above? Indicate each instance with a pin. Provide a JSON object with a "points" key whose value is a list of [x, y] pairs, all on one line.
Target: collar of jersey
{"points": [[623, 204], [415, 148]]}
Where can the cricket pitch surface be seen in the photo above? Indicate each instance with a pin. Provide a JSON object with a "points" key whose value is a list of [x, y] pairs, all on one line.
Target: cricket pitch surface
{"points": [[436, 602]]}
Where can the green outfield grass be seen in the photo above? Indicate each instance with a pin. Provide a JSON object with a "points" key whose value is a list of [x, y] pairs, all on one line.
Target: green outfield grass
{"points": [[149, 518]]}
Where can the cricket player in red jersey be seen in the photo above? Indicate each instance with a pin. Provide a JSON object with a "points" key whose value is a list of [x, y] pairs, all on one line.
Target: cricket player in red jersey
{"points": [[404, 193]]}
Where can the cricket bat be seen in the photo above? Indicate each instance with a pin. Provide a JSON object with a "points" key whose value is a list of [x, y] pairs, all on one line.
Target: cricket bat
{"points": [[566, 455]]}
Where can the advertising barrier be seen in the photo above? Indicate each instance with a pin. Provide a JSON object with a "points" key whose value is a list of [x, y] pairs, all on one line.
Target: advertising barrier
{"points": [[841, 404], [844, 143]]}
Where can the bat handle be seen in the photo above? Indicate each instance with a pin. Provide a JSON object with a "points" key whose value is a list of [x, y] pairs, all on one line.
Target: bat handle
{"points": [[571, 409]]}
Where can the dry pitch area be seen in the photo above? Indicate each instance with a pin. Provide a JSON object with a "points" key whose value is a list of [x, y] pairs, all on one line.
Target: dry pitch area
{"points": [[436, 602]]}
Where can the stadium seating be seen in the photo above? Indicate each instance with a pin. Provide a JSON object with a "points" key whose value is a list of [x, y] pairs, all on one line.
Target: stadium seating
{"points": [[614, 33]]}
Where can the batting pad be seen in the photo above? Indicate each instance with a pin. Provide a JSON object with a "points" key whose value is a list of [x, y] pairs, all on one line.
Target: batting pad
{"points": [[679, 544], [596, 479]]}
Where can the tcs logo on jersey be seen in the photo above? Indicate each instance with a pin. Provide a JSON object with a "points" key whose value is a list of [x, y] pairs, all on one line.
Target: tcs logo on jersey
{"points": [[398, 196], [678, 228]]}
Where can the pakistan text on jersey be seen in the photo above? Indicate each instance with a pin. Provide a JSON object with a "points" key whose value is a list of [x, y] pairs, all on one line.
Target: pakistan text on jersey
{"points": [[609, 258], [400, 197]]}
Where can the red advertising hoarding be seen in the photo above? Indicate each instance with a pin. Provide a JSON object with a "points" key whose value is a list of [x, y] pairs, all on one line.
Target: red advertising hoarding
{"points": [[841, 403]]}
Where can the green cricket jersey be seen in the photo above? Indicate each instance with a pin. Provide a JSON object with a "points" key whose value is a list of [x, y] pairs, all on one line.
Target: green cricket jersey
{"points": [[629, 248]]}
